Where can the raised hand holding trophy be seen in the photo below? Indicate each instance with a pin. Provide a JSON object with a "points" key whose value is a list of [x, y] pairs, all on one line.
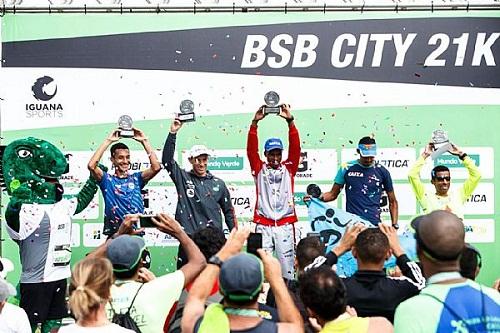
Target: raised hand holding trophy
{"points": [[125, 124], [186, 113], [272, 100], [440, 142]]}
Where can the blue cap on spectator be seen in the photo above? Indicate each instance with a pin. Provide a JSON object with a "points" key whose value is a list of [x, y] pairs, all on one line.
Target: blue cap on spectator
{"points": [[273, 143], [241, 277], [125, 251]]}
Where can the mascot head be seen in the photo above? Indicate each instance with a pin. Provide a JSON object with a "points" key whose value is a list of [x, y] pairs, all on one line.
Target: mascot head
{"points": [[34, 165]]}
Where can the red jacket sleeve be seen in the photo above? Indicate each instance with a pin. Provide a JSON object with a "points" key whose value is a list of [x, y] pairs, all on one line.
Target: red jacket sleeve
{"points": [[292, 162], [253, 150]]}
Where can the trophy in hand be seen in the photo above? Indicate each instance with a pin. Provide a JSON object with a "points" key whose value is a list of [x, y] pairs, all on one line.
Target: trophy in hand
{"points": [[125, 124], [440, 142], [272, 100], [186, 113]]}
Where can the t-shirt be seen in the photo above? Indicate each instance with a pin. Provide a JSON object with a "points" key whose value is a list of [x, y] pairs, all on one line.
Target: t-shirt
{"points": [[364, 187], [153, 302], [44, 240], [347, 325], [122, 196], [467, 305], [110, 328], [13, 319]]}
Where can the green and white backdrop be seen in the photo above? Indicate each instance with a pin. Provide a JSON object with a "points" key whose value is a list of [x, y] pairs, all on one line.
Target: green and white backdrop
{"points": [[67, 78]]}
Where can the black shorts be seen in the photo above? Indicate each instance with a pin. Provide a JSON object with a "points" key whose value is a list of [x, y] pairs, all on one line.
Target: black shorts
{"points": [[44, 301]]}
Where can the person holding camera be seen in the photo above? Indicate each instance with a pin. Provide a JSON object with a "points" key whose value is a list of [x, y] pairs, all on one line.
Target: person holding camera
{"points": [[121, 190], [441, 198], [274, 211]]}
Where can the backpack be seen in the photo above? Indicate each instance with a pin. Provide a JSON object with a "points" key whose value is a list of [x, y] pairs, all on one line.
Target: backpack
{"points": [[124, 319]]}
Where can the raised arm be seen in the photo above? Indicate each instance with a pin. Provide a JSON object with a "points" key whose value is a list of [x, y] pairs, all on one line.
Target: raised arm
{"points": [[293, 139], [414, 174], [88, 191], [167, 158], [95, 171], [474, 174], [409, 268], [195, 303], [155, 166], [253, 142], [290, 318]]}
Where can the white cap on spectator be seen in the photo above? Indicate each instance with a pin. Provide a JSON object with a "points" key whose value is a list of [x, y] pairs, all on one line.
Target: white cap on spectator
{"points": [[6, 290]]}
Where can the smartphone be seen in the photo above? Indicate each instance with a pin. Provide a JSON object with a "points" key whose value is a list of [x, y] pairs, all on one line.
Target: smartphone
{"points": [[146, 222], [254, 243]]}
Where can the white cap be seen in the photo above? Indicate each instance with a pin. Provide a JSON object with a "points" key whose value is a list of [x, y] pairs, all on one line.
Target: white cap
{"points": [[7, 266], [198, 150], [6, 290]]}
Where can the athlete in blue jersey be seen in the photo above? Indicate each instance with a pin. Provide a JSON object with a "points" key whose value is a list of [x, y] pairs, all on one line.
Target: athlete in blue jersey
{"points": [[365, 181], [122, 191]]}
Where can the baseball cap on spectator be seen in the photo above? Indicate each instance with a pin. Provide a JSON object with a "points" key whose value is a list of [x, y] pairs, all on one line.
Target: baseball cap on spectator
{"points": [[273, 143], [198, 150], [428, 248], [125, 252], [6, 266], [367, 147], [241, 277], [6, 290]]}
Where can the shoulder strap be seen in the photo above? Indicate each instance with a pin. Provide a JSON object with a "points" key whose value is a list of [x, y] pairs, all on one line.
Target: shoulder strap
{"points": [[133, 299], [453, 312]]}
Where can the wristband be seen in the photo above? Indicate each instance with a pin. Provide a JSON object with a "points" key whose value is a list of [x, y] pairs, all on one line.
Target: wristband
{"points": [[290, 120], [463, 156]]}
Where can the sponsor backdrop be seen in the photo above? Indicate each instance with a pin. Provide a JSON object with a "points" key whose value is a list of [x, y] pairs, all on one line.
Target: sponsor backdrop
{"points": [[397, 76]]}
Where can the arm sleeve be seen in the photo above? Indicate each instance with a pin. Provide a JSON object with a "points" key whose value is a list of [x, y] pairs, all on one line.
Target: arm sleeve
{"points": [[86, 194], [339, 178], [411, 270], [414, 178], [471, 182], [388, 187], [228, 209], [293, 149], [167, 158], [331, 258], [253, 150]]}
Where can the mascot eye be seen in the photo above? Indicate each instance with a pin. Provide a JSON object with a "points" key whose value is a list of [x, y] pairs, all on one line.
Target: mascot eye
{"points": [[24, 153]]}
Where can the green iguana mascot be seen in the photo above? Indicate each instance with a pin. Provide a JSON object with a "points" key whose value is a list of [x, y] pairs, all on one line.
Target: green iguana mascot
{"points": [[39, 221]]}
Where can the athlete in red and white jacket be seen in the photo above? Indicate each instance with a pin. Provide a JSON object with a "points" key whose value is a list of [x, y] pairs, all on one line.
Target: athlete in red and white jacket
{"points": [[274, 180]]}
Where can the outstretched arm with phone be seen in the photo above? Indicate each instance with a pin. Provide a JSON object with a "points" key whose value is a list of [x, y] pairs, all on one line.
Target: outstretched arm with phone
{"points": [[196, 260]]}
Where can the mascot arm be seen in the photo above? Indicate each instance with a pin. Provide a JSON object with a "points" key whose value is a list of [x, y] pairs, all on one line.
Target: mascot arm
{"points": [[21, 195], [88, 191]]}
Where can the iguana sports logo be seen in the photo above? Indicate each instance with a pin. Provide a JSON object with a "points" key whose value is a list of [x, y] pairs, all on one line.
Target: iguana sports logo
{"points": [[41, 86]]}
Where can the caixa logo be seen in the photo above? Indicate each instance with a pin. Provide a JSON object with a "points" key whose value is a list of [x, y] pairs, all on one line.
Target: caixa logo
{"points": [[44, 89]]}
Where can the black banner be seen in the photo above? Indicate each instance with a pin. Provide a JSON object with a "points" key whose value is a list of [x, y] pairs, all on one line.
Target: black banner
{"points": [[436, 51]]}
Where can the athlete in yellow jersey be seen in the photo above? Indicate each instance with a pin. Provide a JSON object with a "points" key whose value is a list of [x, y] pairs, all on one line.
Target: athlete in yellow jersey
{"points": [[442, 198]]}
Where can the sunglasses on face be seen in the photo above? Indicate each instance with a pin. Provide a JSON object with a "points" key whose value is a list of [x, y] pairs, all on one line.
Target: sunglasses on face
{"points": [[440, 179]]}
